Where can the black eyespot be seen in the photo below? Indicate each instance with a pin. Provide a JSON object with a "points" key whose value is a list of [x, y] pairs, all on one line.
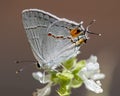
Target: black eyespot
{"points": [[38, 65]]}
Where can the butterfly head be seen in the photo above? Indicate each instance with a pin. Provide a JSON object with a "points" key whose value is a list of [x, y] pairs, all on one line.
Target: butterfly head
{"points": [[80, 34]]}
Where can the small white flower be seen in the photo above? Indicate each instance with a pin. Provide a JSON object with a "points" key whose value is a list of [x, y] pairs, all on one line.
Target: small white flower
{"points": [[90, 74], [41, 77], [44, 91]]}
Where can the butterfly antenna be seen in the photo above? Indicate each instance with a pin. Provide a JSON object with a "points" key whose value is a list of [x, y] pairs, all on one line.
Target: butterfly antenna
{"points": [[93, 33], [93, 21]]}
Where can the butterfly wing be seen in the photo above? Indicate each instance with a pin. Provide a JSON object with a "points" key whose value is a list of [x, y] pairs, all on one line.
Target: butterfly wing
{"points": [[36, 23], [47, 50], [65, 48]]}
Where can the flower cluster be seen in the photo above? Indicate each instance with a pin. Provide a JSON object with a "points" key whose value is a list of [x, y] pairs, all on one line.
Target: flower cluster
{"points": [[72, 75]]}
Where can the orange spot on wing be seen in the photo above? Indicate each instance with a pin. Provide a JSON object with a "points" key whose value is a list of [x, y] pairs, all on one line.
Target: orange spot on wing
{"points": [[74, 33], [49, 34]]}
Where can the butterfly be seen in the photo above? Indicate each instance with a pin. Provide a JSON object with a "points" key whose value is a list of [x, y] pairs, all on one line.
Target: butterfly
{"points": [[52, 39]]}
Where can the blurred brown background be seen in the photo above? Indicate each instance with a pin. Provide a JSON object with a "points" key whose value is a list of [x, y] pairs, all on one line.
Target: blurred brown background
{"points": [[14, 45]]}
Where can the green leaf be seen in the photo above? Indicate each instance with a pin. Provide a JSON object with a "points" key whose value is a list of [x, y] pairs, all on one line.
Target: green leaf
{"points": [[78, 67], [65, 76], [54, 78], [65, 83], [64, 91], [76, 82], [69, 63]]}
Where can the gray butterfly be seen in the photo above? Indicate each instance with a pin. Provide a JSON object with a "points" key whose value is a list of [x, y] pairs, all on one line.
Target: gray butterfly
{"points": [[52, 39]]}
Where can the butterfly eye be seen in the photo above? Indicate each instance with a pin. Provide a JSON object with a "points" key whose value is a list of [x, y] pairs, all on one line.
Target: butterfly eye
{"points": [[80, 32]]}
